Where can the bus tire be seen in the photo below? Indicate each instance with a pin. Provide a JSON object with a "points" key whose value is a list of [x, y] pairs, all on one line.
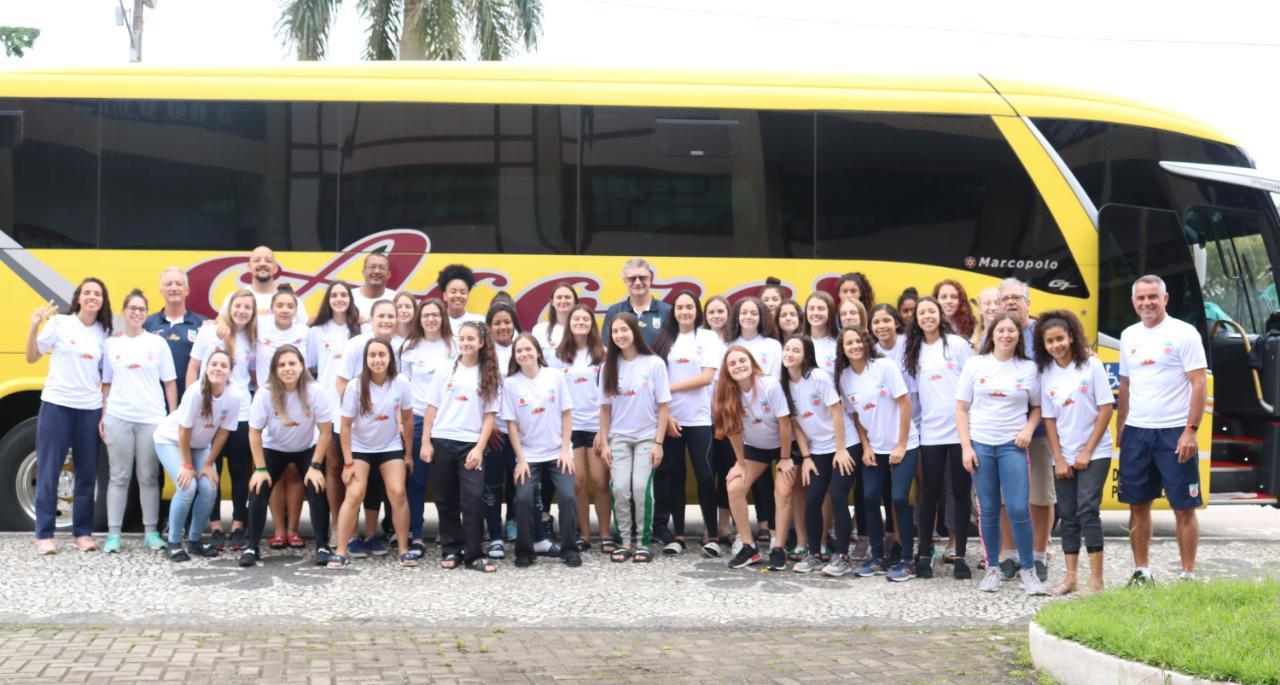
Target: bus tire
{"points": [[17, 482]]}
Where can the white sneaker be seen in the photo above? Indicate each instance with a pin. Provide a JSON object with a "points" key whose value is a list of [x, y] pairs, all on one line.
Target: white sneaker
{"points": [[990, 580], [1031, 583]]}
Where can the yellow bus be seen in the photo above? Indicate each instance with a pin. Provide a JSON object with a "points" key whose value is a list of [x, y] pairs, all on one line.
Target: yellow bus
{"points": [[535, 175]]}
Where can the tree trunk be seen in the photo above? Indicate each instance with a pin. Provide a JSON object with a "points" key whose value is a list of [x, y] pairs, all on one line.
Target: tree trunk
{"points": [[412, 46]]}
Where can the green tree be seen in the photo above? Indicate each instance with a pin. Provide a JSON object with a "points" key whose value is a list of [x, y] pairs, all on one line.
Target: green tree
{"points": [[418, 29], [18, 39]]}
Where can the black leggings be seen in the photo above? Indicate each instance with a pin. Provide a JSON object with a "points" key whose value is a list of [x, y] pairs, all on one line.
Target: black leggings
{"points": [[828, 481], [277, 462], [240, 464], [669, 480], [936, 461]]}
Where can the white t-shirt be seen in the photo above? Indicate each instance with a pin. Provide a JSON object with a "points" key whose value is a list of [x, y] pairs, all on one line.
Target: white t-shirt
{"points": [[353, 356], [1071, 397], [208, 342], [75, 367], [537, 405], [548, 344], [135, 367], [898, 355], [873, 395], [766, 351], [379, 430], [813, 397], [296, 431], [690, 353], [364, 304], [226, 412], [263, 302], [1157, 360], [999, 395], [503, 353], [455, 393], [420, 364], [642, 386], [824, 349], [271, 339], [325, 346], [456, 323], [583, 380], [937, 373], [760, 411]]}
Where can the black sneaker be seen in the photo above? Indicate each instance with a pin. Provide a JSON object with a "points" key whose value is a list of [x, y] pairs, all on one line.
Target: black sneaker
{"points": [[777, 559], [249, 558], [1140, 579], [238, 540], [176, 553], [961, 570], [196, 548], [924, 567], [218, 540], [322, 556], [893, 555], [1042, 570], [1009, 569], [745, 557], [572, 559], [523, 561]]}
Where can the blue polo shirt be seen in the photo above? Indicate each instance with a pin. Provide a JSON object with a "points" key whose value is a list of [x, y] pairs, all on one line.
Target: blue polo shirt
{"points": [[180, 335], [650, 319]]}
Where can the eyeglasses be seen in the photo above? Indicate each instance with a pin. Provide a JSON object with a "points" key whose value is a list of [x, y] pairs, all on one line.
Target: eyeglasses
{"points": [[635, 279], [134, 309], [1012, 298]]}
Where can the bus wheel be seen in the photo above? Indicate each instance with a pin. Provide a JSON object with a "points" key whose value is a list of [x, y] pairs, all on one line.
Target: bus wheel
{"points": [[18, 483]]}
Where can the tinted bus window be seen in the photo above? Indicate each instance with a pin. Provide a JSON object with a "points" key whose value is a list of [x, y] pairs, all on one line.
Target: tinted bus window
{"points": [[476, 178], [49, 172], [697, 182], [941, 190]]}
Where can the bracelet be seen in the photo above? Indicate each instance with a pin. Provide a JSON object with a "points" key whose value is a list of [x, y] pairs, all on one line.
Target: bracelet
{"points": [[348, 465], [261, 470], [318, 466]]}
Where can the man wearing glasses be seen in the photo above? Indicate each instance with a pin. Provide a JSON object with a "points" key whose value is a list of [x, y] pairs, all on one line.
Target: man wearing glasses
{"points": [[638, 275], [377, 271], [175, 323]]}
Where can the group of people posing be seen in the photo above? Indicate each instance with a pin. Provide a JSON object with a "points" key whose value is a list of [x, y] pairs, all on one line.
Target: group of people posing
{"points": [[796, 404]]}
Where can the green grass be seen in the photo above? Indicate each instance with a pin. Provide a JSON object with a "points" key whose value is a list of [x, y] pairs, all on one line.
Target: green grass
{"points": [[1223, 630]]}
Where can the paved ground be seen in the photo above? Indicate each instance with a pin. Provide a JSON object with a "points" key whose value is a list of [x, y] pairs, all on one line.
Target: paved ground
{"points": [[134, 616]]}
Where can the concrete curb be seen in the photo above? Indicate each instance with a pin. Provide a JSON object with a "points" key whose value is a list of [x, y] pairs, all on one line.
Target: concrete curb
{"points": [[1072, 663]]}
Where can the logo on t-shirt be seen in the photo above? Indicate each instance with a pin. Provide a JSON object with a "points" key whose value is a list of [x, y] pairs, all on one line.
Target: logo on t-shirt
{"points": [[881, 390], [815, 399], [382, 417], [868, 406], [682, 360]]}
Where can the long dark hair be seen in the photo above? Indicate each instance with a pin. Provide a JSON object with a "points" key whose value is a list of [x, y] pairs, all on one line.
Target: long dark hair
{"points": [[728, 311], [777, 319], [1069, 322], [989, 344], [807, 365], [104, 312], [277, 386], [366, 376], [325, 315], [915, 336], [866, 295], [891, 311], [499, 307], [869, 351], [765, 327], [417, 333], [551, 307], [568, 347], [671, 329], [206, 388], [610, 371], [490, 378]]}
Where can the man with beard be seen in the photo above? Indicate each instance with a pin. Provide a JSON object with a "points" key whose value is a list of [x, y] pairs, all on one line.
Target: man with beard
{"points": [[262, 281], [377, 271]]}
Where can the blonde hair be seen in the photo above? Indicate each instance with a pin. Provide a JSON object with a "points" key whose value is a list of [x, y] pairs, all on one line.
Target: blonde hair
{"points": [[250, 329]]}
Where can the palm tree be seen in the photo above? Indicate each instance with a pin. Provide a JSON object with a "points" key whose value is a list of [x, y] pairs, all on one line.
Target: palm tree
{"points": [[418, 29]]}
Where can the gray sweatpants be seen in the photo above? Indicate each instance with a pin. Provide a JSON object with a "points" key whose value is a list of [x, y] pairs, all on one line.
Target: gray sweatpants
{"points": [[1079, 500], [631, 479], [130, 445]]}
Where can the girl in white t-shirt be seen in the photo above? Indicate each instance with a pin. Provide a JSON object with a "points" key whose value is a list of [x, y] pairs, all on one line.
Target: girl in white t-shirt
{"points": [[578, 358], [692, 354], [406, 307], [139, 387], [239, 319], [428, 350], [377, 432], [772, 296], [538, 411], [335, 324], [1076, 402], [715, 312], [934, 357], [750, 411], [70, 407], [819, 325], [290, 424], [997, 410], [749, 327], [282, 327], [635, 398], [462, 407], [872, 389], [188, 441], [500, 459], [788, 319], [549, 333]]}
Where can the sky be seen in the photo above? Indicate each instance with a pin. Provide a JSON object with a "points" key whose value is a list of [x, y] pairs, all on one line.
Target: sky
{"points": [[1206, 60]]}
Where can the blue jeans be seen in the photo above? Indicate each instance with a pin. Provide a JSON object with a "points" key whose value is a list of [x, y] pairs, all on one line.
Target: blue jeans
{"points": [[200, 495], [897, 479], [59, 429], [416, 490], [1003, 469]]}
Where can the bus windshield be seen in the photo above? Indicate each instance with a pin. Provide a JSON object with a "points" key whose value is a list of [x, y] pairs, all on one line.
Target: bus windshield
{"points": [[1234, 264]]}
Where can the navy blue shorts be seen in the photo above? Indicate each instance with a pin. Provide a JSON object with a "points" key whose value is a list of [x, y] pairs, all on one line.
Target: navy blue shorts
{"points": [[1149, 463], [582, 439]]}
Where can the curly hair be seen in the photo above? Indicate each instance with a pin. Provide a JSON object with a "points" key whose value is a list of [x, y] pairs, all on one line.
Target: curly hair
{"points": [[866, 295], [765, 327], [104, 312], [1069, 322], [456, 272], [490, 378]]}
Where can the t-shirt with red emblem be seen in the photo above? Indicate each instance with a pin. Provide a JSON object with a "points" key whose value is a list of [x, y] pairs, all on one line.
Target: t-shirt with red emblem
{"points": [[135, 366], [226, 415], [537, 407], [271, 339], [642, 386], [295, 431], [75, 367], [812, 397], [583, 379], [1157, 360], [690, 353], [999, 393], [873, 396], [761, 408], [325, 347], [378, 430], [455, 393], [937, 371], [207, 342], [1071, 397]]}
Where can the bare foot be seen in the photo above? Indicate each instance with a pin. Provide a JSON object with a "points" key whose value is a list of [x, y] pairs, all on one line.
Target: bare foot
{"points": [[1066, 587], [46, 547], [86, 543]]}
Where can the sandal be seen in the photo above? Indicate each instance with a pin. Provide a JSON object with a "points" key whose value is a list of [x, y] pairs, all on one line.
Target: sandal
{"points": [[582, 545], [1061, 589], [417, 550], [674, 547], [642, 556], [483, 565], [451, 561], [620, 555], [296, 541], [609, 546], [408, 559], [337, 561], [277, 542]]}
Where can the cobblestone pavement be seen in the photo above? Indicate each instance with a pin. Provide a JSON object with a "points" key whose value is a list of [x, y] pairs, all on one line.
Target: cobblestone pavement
{"points": [[783, 656]]}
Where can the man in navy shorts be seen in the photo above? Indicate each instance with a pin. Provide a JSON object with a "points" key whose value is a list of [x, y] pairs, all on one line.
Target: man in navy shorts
{"points": [[1161, 402]]}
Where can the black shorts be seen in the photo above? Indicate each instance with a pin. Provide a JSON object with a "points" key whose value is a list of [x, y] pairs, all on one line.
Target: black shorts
{"points": [[376, 459], [761, 456], [582, 439]]}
